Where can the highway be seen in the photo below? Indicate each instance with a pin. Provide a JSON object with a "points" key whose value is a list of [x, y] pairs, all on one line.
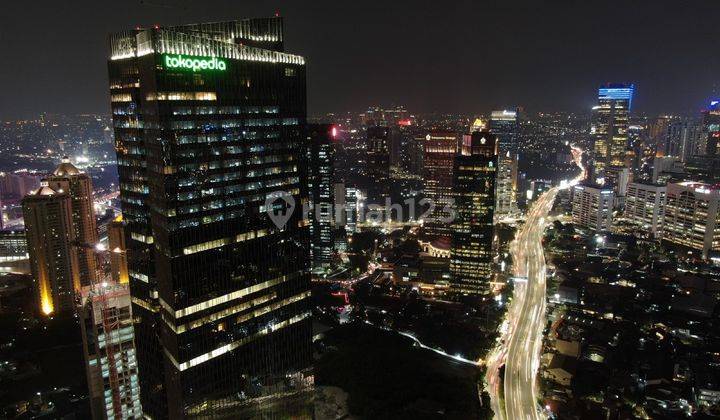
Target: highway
{"points": [[522, 331]]}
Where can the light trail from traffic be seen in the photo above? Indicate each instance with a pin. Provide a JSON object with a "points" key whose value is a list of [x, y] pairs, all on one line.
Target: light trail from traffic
{"points": [[455, 357], [521, 338]]}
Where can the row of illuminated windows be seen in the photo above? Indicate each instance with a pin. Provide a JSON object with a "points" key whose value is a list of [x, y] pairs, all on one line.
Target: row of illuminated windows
{"points": [[188, 181], [224, 110], [212, 138], [209, 125], [230, 189], [181, 96], [232, 346], [235, 201], [233, 163], [254, 159], [138, 188]]}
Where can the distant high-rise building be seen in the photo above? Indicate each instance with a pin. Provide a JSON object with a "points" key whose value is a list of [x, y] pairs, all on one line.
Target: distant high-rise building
{"points": [[109, 349], [691, 216], [208, 130], [352, 198], [386, 117], [657, 132], [15, 185], [537, 188], [478, 125], [505, 125], [414, 154], [645, 207], [340, 212], [474, 174], [320, 185], [50, 233], [378, 163], [440, 148], [592, 207], [711, 128], [682, 139], [666, 168], [609, 128], [13, 245], [118, 251], [78, 185], [506, 188]]}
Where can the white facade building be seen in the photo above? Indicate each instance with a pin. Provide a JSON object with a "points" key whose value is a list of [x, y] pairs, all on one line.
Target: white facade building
{"points": [[645, 208], [691, 216], [592, 207]]}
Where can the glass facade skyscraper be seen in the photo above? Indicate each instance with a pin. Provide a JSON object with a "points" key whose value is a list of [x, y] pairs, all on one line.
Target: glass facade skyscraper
{"points": [[378, 163], [439, 150], [321, 153], [208, 122], [609, 128], [506, 126], [471, 252]]}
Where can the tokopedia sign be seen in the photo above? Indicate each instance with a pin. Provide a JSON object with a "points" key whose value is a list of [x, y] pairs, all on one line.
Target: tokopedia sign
{"points": [[185, 62]]}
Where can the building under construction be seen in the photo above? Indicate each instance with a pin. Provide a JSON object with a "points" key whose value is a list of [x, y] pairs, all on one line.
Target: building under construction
{"points": [[109, 347]]}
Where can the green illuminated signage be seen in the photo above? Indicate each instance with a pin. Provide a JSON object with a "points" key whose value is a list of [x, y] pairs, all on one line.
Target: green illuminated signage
{"points": [[180, 61]]}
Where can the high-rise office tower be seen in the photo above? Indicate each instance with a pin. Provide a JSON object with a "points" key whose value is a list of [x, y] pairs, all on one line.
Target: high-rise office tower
{"points": [[352, 202], [592, 207], [340, 213], [645, 208], [505, 125], [474, 174], [691, 216], [682, 139], [711, 128], [506, 188], [78, 186], [339, 222], [118, 251], [666, 169], [378, 163], [50, 234], [109, 350], [656, 133], [320, 160], [440, 148], [414, 154], [208, 130], [609, 128], [14, 185]]}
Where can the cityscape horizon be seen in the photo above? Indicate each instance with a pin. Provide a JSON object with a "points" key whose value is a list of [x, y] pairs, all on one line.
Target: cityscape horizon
{"points": [[256, 228]]}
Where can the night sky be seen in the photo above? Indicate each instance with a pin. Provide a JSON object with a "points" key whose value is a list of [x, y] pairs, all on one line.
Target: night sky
{"points": [[432, 56]]}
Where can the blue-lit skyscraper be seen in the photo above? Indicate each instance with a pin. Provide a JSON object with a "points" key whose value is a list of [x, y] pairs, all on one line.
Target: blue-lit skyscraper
{"points": [[610, 124]]}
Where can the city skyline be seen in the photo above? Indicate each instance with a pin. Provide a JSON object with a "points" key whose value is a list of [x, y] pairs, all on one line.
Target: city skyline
{"points": [[407, 210], [510, 57]]}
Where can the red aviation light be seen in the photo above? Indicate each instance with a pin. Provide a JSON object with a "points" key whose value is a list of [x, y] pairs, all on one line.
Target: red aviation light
{"points": [[405, 123]]}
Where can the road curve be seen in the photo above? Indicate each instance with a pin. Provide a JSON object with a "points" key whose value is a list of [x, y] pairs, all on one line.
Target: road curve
{"points": [[522, 333]]}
